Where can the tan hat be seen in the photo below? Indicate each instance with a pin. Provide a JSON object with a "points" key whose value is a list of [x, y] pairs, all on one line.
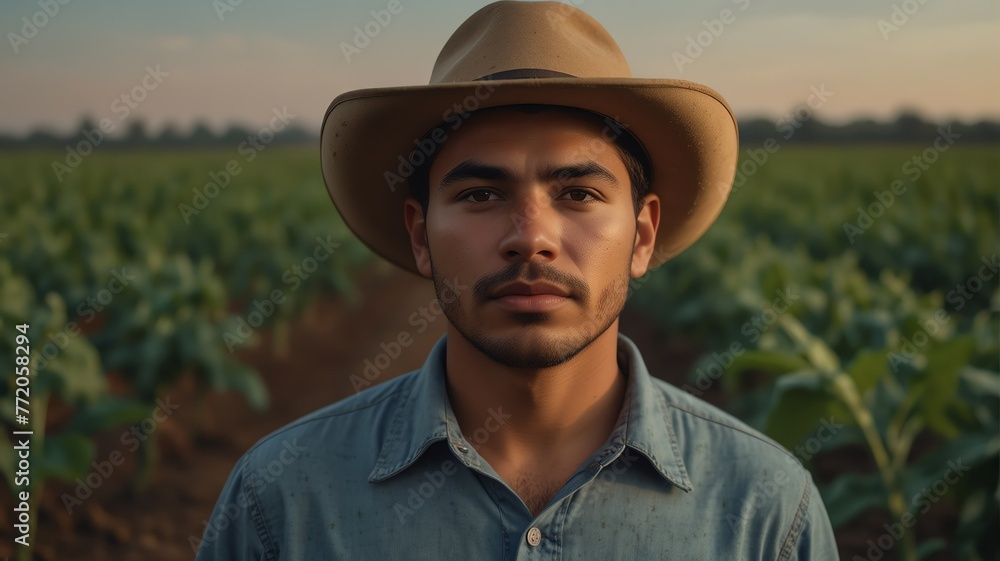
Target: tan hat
{"points": [[511, 53]]}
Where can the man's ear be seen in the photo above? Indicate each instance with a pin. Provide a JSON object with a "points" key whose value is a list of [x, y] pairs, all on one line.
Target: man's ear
{"points": [[646, 225], [413, 216]]}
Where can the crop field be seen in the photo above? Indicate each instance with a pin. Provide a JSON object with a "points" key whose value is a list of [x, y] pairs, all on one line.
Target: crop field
{"points": [[846, 303], [857, 288]]}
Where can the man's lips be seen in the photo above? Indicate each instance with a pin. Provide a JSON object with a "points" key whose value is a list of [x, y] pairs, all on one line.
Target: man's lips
{"points": [[531, 289], [535, 297]]}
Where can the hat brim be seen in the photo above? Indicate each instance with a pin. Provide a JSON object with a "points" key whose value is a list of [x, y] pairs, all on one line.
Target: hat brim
{"points": [[369, 135]]}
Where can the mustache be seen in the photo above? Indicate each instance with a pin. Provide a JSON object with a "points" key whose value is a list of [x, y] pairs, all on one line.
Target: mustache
{"points": [[528, 272]]}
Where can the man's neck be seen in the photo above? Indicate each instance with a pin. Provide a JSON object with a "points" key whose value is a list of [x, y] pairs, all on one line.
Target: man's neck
{"points": [[563, 411]]}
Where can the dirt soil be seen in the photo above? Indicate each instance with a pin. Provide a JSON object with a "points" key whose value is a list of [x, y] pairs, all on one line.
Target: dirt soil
{"points": [[203, 437]]}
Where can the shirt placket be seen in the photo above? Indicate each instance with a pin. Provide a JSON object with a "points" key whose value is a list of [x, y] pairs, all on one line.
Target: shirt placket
{"points": [[540, 537]]}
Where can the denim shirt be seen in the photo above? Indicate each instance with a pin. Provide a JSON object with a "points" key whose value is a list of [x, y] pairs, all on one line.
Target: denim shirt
{"points": [[387, 474]]}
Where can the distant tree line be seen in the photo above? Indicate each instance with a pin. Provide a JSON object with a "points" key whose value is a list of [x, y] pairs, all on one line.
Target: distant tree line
{"points": [[907, 127], [796, 127], [136, 136]]}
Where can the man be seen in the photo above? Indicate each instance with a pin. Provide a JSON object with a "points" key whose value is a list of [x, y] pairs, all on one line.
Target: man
{"points": [[530, 180]]}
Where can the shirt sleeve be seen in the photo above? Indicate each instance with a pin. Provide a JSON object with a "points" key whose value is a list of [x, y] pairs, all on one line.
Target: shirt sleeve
{"points": [[234, 529], [816, 540]]}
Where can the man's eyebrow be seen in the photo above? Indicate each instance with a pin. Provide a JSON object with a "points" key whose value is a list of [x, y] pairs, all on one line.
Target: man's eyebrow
{"points": [[583, 169], [471, 169]]}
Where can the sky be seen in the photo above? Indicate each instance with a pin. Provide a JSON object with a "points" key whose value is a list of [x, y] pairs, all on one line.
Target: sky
{"points": [[237, 61]]}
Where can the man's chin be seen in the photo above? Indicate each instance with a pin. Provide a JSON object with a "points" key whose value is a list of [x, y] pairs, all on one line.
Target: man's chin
{"points": [[529, 348]]}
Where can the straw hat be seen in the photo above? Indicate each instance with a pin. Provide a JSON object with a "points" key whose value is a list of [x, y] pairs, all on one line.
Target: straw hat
{"points": [[511, 53]]}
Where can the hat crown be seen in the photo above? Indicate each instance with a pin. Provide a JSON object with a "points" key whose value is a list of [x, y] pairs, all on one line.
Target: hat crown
{"points": [[511, 39]]}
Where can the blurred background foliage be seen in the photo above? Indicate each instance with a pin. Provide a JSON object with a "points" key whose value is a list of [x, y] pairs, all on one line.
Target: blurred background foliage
{"points": [[804, 311], [887, 324]]}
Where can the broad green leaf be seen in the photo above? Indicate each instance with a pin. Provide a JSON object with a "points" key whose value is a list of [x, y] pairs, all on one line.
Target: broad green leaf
{"points": [[800, 402], [982, 381], [952, 458], [75, 373], [248, 383], [64, 456], [978, 519], [851, 494], [16, 294], [150, 365], [106, 413], [770, 362], [944, 362], [867, 368]]}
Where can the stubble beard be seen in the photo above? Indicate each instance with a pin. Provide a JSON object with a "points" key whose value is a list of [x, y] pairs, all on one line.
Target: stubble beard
{"points": [[532, 346]]}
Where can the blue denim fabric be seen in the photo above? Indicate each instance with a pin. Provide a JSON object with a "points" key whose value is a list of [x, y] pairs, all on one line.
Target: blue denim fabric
{"points": [[387, 474]]}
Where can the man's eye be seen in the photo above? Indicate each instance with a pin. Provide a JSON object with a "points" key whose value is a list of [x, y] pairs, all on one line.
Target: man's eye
{"points": [[480, 196], [579, 195]]}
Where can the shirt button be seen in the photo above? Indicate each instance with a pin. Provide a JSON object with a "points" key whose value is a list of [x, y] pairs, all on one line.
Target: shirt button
{"points": [[462, 448], [534, 536]]}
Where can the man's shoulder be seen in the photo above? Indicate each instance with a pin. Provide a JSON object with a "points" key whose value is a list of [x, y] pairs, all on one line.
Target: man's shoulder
{"points": [[719, 432], [363, 416], [760, 490]]}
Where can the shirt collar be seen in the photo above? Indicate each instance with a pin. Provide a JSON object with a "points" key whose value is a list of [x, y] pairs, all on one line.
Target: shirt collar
{"points": [[425, 417], [422, 419], [645, 419]]}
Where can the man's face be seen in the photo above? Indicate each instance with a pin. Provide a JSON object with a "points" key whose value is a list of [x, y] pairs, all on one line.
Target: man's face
{"points": [[534, 212]]}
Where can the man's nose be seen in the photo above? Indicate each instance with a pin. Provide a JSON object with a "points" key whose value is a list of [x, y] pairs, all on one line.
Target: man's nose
{"points": [[534, 231]]}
